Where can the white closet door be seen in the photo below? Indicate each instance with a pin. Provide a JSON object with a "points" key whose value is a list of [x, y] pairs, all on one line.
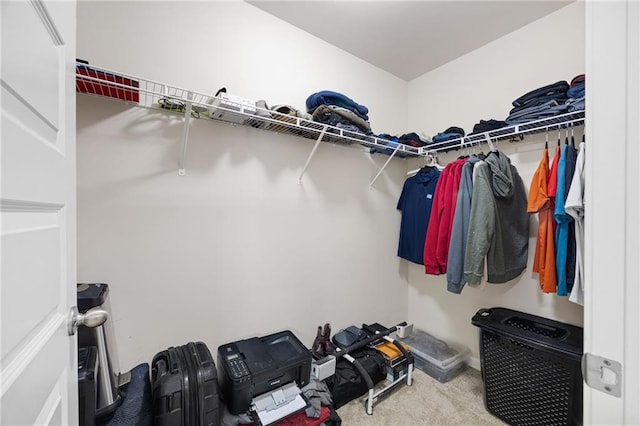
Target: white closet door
{"points": [[38, 367], [612, 205]]}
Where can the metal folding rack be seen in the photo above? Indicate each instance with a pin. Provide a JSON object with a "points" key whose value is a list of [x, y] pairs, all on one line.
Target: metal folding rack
{"points": [[152, 94], [374, 394]]}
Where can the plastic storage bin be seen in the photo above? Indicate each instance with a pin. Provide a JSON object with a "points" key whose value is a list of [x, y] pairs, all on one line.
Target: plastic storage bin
{"points": [[530, 368], [435, 357]]}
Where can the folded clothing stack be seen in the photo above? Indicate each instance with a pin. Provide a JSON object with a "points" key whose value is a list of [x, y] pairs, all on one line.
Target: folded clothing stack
{"points": [[449, 134], [540, 103], [286, 114], [411, 139], [341, 117], [487, 125], [339, 110], [576, 93], [328, 97]]}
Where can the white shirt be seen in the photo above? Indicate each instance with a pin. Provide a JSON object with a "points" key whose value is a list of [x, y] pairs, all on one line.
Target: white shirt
{"points": [[574, 206]]}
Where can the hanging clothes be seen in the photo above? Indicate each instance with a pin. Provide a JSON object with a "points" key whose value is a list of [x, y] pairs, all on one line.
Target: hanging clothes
{"points": [[499, 225], [574, 206], [562, 225], [552, 184], [436, 246], [571, 240], [544, 261], [460, 228], [415, 203]]}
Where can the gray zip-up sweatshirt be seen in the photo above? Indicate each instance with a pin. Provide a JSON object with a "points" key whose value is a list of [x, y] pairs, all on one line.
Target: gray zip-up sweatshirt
{"points": [[499, 224], [460, 229]]}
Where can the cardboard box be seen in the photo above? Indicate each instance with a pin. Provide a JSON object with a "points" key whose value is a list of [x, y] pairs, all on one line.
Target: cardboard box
{"points": [[390, 352], [396, 371]]}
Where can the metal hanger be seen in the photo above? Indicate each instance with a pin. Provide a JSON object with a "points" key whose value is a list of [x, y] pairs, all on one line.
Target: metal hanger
{"points": [[430, 160], [546, 139], [492, 148]]}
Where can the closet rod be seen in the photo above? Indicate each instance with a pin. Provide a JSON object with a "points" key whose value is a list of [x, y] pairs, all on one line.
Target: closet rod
{"points": [[536, 126]]}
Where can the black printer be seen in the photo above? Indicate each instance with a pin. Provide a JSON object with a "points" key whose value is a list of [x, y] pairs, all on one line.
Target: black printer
{"points": [[251, 367]]}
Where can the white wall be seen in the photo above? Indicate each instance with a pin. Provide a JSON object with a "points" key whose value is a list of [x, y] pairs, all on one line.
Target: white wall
{"points": [[482, 85], [216, 254], [236, 248], [207, 45]]}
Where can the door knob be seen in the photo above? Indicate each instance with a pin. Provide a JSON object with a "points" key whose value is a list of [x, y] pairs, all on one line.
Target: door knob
{"points": [[94, 317]]}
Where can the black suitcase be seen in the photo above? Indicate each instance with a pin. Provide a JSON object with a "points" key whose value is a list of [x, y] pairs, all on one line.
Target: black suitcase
{"points": [[185, 387]]}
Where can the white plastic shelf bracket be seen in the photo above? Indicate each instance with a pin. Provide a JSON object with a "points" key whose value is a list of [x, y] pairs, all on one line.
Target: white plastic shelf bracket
{"points": [[384, 165], [185, 135], [313, 152]]}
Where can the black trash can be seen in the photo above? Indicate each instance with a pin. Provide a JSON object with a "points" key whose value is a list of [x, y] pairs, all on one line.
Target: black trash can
{"points": [[530, 368], [87, 384]]}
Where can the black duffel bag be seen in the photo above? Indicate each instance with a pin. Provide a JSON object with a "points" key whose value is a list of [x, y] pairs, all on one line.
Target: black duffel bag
{"points": [[348, 383]]}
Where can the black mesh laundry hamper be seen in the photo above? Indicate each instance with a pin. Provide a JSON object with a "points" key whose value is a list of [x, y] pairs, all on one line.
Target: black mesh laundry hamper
{"points": [[530, 368]]}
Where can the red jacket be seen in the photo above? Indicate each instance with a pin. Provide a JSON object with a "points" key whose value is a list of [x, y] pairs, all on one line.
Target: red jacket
{"points": [[552, 183], [436, 246]]}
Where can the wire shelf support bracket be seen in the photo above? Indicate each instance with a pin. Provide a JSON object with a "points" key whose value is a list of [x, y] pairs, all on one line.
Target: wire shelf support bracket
{"points": [[313, 152], [384, 166], [185, 135]]}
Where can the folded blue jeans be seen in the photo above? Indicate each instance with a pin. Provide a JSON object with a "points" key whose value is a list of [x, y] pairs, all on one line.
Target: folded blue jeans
{"points": [[557, 87]]}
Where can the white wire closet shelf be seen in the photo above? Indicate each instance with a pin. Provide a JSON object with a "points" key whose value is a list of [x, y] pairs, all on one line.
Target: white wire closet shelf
{"points": [[152, 94], [560, 121], [147, 93]]}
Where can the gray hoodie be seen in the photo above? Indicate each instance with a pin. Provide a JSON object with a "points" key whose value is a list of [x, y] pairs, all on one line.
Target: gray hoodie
{"points": [[460, 228], [499, 225]]}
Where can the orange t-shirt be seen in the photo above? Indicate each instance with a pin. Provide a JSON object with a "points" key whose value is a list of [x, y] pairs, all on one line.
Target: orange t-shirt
{"points": [[544, 261], [552, 182]]}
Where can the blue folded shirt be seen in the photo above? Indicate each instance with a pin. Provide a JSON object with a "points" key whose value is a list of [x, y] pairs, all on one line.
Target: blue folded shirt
{"points": [[328, 97]]}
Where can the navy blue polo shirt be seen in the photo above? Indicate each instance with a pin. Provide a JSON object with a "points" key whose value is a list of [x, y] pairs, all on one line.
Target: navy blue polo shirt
{"points": [[415, 204]]}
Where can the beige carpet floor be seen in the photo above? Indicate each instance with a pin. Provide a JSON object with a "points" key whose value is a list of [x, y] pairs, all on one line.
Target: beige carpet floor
{"points": [[426, 402]]}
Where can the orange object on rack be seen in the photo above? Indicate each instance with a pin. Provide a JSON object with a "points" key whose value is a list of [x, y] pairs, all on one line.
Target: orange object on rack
{"points": [[391, 351]]}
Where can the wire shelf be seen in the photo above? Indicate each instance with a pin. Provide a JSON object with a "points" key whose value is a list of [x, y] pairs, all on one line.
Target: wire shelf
{"points": [[147, 93], [560, 121], [152, 94]]}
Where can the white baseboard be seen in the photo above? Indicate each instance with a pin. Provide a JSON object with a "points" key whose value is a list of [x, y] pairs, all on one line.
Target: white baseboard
{"points": [[474, 363]]}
